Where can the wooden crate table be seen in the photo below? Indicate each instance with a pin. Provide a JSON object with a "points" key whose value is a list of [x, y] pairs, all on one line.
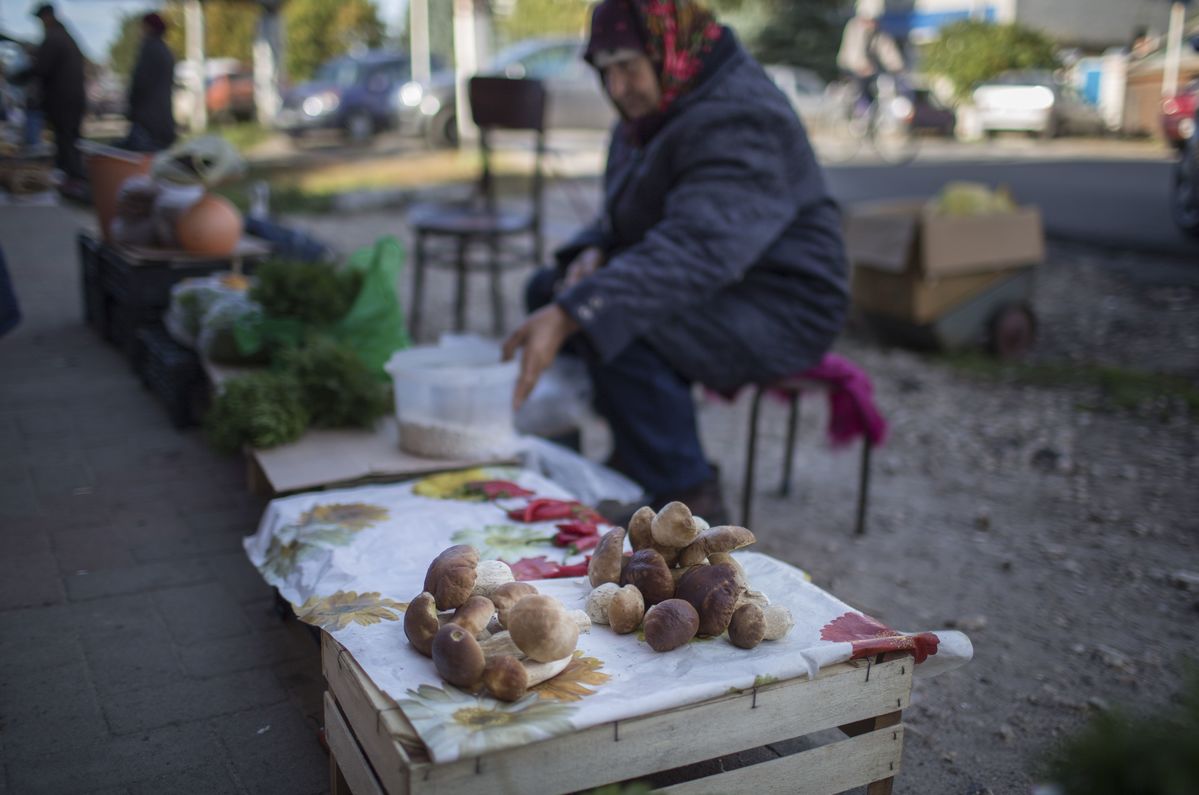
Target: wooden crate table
{"points": [[373, 748]]}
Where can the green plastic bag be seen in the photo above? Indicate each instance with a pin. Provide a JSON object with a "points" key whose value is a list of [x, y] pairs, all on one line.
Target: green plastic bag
{"points": [[374, 328]]}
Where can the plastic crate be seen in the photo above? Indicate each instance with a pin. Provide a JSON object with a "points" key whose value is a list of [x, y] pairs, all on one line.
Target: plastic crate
{"points": [[95, 307], [172, 373]]}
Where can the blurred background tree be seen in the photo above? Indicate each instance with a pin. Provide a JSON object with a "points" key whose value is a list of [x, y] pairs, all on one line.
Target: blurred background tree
{"points": [[523, 19], [122, 53], [228, 33], [803, 33], [969, 52], [317, 30]]}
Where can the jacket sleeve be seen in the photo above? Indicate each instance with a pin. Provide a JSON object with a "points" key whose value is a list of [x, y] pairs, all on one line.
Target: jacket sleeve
{"points": [[738, 182], [592, 235]]}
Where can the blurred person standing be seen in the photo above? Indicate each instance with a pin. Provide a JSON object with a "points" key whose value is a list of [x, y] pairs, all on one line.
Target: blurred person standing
{"points": [[57, 72], [867, 51], [151, 118]]}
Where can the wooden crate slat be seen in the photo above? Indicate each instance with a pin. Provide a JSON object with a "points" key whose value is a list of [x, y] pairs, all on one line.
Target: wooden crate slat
{"points": [[347, 753], [831, 768]]}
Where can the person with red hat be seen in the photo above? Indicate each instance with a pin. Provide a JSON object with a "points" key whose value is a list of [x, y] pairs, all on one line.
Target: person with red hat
{"points": [[716, 259], [151, 118]]}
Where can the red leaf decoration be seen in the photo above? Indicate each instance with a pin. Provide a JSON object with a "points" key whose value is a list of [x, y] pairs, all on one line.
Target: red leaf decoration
{"points": [[869, 637], [545, 509], [538, 568], [495, 489]]}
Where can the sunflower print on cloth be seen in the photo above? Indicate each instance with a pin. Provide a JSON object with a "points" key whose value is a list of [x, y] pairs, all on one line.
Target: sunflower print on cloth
{"points": [[572, 683], [336, 612], [321, 526]]}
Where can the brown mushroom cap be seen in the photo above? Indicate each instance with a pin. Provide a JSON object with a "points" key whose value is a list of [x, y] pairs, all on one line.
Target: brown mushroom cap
{"points": [[458, 657], [640, 534], [421, 623], [649, 571], [505, 677], [713, 592], [509, 594], [605, 561], [542, 629], [747, 626], [670, 624], [451, 576], [626, 610], [674, 526], [723, 538], [474, 614]]}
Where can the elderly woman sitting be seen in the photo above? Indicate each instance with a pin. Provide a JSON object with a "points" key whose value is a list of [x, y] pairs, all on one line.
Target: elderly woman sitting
{"points": [[716, 259]]}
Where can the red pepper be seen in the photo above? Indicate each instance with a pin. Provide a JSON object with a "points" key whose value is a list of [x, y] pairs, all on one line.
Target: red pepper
{"points": [[541, 568], [581, 535], [495, 489], [577, 570], [546, 510]]}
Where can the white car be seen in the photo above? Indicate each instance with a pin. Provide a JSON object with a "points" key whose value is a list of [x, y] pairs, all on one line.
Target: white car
{"points": [[804, 88], [1034, 102]]}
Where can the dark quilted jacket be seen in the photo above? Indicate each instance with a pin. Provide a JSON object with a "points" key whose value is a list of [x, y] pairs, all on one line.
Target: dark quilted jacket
{"points": [[724, 247]]}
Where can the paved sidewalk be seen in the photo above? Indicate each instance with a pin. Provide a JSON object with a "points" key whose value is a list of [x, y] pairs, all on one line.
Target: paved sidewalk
{"points": [[139, 649]]}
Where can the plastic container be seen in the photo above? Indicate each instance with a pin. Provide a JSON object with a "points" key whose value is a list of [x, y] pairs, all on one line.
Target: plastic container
{"points": [[107, 169], [454, 400]]}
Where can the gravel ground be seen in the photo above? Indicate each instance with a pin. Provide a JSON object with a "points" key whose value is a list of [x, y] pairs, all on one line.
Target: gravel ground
{"points": [[1061, 539]]}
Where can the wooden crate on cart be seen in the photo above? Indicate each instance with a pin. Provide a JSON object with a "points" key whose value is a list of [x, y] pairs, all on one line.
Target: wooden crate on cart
{"points": [[373, 748]]}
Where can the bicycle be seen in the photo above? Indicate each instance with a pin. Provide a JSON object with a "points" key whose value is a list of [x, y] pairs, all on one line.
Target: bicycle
{"points": [[885, 121]]}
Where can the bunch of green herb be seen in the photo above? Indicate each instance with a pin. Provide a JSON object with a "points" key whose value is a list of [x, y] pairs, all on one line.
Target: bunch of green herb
{"points": [[337, 386], [315, 293], [260, 409]]}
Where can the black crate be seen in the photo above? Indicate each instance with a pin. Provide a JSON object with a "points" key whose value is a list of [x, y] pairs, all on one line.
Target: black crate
{"points": [[95, 307], [172, 372]]}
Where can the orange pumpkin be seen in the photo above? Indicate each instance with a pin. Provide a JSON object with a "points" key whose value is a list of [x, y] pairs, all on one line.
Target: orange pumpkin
{"points": [[212, 226]]}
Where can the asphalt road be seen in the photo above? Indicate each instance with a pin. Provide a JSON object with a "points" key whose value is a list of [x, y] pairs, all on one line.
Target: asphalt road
{"points": [[1117, 203]]}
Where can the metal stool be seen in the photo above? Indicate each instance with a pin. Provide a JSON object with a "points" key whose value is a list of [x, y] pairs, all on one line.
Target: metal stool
{"points": [[793, 389]]}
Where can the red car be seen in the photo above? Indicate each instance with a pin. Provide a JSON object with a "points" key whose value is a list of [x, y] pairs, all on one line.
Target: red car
{"points": [[1178, 114]]}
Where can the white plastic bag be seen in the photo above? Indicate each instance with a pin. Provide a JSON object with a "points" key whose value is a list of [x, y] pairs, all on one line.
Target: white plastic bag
{"points": [[559, 401]]}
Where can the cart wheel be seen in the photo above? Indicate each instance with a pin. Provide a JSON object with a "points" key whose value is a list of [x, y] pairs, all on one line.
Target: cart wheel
{"points": [[1011, 331]]}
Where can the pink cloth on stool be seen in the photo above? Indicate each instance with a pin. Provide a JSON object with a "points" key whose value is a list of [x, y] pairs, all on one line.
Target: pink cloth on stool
{"points": [[852, 411]]}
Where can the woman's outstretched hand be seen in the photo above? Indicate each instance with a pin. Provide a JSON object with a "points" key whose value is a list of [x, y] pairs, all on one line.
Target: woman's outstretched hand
{"points": [[539, 338]]}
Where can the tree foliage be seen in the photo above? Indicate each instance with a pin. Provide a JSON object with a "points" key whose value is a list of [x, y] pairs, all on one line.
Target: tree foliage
{"points": [[969, 52], [122, 53], [530, 18], [803, 33], [229, 29], [318, 30]]}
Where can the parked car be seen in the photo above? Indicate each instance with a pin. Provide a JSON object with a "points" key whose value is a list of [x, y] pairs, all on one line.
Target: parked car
{"points": [[576, 100], [1034, 102], [230, 96], [1178, 115], [803, 88], [930, 115], [352, 93]]}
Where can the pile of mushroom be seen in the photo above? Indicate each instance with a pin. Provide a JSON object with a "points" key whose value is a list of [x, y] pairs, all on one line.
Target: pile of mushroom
{"points": [[484, 629], [680, 582]]}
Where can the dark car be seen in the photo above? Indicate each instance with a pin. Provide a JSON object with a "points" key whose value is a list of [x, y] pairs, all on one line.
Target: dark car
{"points": [[352, 93], [1178, 115], [576, 100], [930, 115]]}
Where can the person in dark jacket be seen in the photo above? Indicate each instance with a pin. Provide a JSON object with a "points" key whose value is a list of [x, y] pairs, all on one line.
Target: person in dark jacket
{"points": [[57, 69], [717, 258], [151, 118]]}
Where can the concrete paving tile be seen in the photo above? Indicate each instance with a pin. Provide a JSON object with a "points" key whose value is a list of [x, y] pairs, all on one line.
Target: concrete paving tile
{"points": [[89, 549], [190, 546], [21, 654], [238, 575], [243, 652], [258, 739], [129, 661], [26, 537], [261, 615], [210, 779], [304, 682], [116, 617], [240, 520], [190, 700], [199, 612], [49, 707], [18, 499], [29, 581], [131, 579], [118, 761]]}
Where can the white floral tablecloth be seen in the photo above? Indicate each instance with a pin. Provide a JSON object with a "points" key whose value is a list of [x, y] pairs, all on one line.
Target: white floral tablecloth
{"points": [[350, 560]]}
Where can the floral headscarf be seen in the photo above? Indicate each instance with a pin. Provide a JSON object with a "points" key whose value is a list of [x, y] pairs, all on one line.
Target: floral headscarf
{"points": [[677, 35]]}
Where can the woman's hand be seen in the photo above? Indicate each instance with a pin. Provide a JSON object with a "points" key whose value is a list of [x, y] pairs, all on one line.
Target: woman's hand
{"points": [[540, 337], [586, 263]]}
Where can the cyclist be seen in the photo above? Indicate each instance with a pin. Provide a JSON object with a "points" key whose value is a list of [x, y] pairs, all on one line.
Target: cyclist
{"points": [[868, 52]]}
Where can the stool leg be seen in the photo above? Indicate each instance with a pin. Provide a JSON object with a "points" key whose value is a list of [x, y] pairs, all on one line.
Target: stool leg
{"points": [[747, 484], [863, 487], [418, 287], [460, 291], [789, 449], [497, 295]]}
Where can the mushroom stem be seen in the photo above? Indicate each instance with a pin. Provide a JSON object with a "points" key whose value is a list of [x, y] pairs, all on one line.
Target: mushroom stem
{"points": [[541, 671]]}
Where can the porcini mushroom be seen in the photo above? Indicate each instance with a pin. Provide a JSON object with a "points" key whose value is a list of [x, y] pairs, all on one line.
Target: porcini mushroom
{"points": [[713, 592], [640, 533], [605, 563], [451, 576], [421, 623], [747, 626], [598, 600], [458, 657], [502, 643], [509, 594], [542, 629], [670, 624], [778, 622], [648, 570], [722, 538], [725, 557], [625, 610], [474, 614], [673, 526], [489, 575], [508, 678]]}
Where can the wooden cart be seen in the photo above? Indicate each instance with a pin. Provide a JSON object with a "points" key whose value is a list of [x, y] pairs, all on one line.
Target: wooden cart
{"points": [[373, 748]]}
